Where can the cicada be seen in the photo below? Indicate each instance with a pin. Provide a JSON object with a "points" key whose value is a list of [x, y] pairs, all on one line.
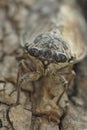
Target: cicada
{"points": [[51, 48]]}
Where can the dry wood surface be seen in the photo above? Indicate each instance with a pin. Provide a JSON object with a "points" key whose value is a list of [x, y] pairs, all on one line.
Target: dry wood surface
{"points": [[16, 18]]}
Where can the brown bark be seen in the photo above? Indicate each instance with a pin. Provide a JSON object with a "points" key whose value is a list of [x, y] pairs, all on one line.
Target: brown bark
{"points": [[13, 16]]}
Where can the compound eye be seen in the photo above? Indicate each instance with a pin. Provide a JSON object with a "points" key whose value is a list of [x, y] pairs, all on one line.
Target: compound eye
{"points": [[34, 51], [60, 57], [63, 57]]}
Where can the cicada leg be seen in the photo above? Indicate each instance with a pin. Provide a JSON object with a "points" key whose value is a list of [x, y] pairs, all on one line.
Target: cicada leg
{"points": [[25, 73], [66, 83], [18, 85], [71, 77]]}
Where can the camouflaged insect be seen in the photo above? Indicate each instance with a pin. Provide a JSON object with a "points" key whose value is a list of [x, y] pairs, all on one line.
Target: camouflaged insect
{"points": [[49, 54], [47, 47]]}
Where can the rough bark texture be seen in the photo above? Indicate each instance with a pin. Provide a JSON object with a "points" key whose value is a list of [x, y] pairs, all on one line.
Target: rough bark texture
{"points": [[13, 16]]}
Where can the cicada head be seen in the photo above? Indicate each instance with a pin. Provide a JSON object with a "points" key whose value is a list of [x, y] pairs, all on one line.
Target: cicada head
{"points": [[48, 48]]}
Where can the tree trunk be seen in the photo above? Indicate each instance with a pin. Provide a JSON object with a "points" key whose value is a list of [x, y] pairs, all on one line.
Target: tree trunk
{"points": [[15, 17]]}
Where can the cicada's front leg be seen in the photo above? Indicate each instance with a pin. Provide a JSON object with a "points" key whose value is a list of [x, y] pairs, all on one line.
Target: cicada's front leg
{"points": [[62, 75], [70, 78], [28, 71]]}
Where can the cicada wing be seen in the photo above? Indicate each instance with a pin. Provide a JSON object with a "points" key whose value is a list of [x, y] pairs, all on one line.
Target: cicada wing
{"points": [[73, 31], [37, 27]]}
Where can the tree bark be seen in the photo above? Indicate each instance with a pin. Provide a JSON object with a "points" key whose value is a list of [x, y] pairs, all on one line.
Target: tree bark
{"points": [[13, 17]]}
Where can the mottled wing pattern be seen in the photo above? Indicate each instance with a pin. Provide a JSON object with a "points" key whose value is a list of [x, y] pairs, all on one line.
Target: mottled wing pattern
{"points": [[70, 26], [40, 26], [73, 30]]}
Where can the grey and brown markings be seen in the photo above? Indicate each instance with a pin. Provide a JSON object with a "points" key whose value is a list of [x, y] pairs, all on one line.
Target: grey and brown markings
{"points": [[48, 48], [46, 65], [46, 68]]}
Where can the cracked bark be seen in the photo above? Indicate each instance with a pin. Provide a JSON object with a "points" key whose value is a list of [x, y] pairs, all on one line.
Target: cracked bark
{"points": [[12, 24]]}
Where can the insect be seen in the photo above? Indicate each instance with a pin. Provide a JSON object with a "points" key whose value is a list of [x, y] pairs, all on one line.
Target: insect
{"points": [[46, 68]]}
